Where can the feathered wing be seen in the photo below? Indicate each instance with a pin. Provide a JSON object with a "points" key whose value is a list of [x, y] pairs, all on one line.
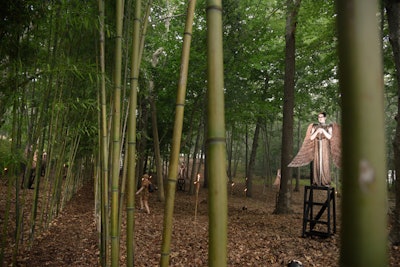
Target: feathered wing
{"points": [[306, 152], [336, 145]]}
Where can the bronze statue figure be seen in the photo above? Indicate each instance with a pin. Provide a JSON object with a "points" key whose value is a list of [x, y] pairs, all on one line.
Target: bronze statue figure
{"points": [[321, 143]]}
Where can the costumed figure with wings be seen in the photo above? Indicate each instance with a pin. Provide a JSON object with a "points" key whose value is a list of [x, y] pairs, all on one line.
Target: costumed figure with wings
{"points": [[322, 141]]}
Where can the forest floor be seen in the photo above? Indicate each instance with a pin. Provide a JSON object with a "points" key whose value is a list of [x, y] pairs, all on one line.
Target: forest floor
{"points": [[256, 237]]}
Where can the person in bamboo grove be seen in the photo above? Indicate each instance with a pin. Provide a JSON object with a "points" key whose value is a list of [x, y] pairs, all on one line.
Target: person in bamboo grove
{"points": [[321, 144], [182, 169], [144, 192]]}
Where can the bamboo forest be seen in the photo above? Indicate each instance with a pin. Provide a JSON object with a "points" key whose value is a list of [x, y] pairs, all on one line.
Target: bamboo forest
{"points": [[199, 133]]}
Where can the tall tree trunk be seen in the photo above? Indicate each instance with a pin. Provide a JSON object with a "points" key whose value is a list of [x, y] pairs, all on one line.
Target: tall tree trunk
{"points": [[283, 205], [143, 120], [393, 16], [177, 135], [160, 178], [246, 170], [156, 144], [267, 161], [230, 153], [297, 186], [194, 162], [252, 161], [364, 221], [156, 141]]}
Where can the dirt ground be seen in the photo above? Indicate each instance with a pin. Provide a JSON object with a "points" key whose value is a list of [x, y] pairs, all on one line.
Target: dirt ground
{"points": [[256, 237]]}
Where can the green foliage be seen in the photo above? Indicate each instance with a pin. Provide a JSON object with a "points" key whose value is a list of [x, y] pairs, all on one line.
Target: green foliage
{"points": [[317, 84], [49, 52]]}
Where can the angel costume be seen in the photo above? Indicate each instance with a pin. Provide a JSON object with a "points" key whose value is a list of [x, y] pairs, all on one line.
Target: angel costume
{"points": [[320, 150]]}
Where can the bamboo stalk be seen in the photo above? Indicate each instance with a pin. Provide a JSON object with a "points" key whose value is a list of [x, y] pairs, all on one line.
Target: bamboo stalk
{"points": [[216, 157], [197, 184], [116, 140], [176, 137], [104, 242], [68, 187], [364, 223], [131, 181]]}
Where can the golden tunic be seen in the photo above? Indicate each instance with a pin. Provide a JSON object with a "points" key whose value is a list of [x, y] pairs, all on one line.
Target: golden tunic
{"points": [[320, 150]]}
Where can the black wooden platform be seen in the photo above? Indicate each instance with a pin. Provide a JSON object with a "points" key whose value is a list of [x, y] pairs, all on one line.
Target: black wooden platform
{"points": [[181, 184], [319, 225]]}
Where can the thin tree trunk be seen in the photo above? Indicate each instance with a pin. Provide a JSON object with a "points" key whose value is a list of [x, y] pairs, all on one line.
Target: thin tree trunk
{"points": [[265, 160], [157, 154], [144, 30], [177, 135], [364, 221], [297, 187], [142, 122], [68, 187], [56, 190], [43, 117], [205, 147], [230, 153], [37, 182], [55, 127], [283, 205], [236, 158], [252, 161], [194, 161], [267, 152], [104, 225], [156, 140], [246, 171]]}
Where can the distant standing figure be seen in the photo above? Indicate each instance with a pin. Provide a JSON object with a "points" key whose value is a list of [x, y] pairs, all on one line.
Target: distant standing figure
{"points": [[182, 169], [322, 142], [44, 164], [144, 192]]}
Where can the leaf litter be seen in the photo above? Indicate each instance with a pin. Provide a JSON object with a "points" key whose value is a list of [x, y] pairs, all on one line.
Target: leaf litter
{"points": [[256, 236]]}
